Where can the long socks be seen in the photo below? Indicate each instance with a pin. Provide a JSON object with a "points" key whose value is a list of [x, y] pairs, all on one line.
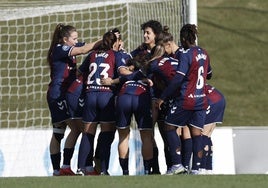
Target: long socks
{"points": [[187, 150], [86, 147], [174, 144], [197, 152]]}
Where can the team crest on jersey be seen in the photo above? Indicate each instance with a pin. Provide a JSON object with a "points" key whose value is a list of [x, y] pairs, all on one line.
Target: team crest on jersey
{"points": [[123, 60], [65, 48]]}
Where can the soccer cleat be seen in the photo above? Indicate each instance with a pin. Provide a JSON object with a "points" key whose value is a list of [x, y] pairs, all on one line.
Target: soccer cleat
{"points": [[80, 172], [66, 172], [202, 171], [90, 171], [104, 174], [56, 173], [195, 172], [176, 169], [125, 172], [155, 172], [97, 165]]}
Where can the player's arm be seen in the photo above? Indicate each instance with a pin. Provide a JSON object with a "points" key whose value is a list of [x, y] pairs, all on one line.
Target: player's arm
{"points": [[109, 81], [137, 75], [85, 49], [173, 86]]}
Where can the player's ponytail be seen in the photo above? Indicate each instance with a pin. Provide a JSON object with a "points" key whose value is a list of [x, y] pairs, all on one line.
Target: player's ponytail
{"points": [[55, 41], [108, 40], [60, 32]]}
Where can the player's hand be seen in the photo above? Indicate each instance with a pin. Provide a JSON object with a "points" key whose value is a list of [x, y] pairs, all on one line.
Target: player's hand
{"points": [[148, 81], [106, 81]]}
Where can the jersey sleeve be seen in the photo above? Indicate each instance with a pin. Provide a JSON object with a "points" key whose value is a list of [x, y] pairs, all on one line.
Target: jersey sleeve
{"points": [[61, 51], [183, 66]]}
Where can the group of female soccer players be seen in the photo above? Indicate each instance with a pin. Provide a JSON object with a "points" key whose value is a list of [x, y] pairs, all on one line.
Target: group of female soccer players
{"points": [[158, 82]]}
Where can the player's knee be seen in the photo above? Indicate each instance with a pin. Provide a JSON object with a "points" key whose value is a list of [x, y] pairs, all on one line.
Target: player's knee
{"points": [[58, 136], [59, 130]]}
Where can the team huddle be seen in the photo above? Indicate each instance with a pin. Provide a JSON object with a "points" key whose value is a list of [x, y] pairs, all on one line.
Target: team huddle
{"points": [[158, 83]]}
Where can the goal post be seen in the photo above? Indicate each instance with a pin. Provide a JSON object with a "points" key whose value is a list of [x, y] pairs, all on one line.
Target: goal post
{"points": [[26, 31]]}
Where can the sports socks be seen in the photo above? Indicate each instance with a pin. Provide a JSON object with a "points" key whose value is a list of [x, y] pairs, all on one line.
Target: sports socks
{"points": [[67, 155], [210, 154], [147, 166], [197, 152], [124, 165], [155, 165], [105, 140], [55, 160], [174, 144], [187, 150], [205, 140], [86, 147]]}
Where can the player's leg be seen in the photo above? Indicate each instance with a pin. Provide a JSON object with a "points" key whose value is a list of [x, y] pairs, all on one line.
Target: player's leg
{"points": [[147, 149], [174, 145], [155, 165], [143, 117], [59, 115], [124, 115], [187, 147], [123, 149], [196, 126], [176, 117], [55, 146], [162, 127], [105, 141], [75, 130], [209, 166], [86, 148], [106, 104]]}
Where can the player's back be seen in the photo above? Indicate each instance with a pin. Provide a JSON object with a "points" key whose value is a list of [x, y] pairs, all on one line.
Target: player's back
{"points": [[194, 65]]}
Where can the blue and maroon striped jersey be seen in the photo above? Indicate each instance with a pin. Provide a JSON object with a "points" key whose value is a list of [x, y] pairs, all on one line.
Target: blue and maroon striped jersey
{"points": [[163, 71], [99, 65], [194, 66], [62, 70]]}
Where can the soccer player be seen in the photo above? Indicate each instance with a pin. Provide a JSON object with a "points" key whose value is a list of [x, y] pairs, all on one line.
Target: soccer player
{"points": [[133, 99], [152, 30], [62, 62], [173, 50], [99, 100], [189, 106], [123, 55], [214, 115]]}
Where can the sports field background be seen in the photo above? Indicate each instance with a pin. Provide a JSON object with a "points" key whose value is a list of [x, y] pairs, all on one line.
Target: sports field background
{"points": [[235, 34]]}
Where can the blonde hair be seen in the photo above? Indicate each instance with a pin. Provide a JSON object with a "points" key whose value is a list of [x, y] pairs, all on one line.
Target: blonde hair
{"points": [[158, 51]]}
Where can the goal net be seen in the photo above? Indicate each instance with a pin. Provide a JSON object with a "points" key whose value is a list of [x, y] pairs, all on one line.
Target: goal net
{"points": [[26, 30]]}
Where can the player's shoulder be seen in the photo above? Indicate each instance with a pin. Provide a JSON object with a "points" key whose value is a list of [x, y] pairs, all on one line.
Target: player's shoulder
{"points": [[60, 47]]}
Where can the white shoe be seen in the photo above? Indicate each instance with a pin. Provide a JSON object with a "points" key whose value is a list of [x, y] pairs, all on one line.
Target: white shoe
{"points": [[176, 169]]}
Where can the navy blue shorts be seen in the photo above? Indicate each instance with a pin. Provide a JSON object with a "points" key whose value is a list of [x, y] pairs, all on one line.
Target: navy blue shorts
{"points": [[75, 101], [215, 112], [137, 105], [99, 107], [180, 117], [58, 109]]}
